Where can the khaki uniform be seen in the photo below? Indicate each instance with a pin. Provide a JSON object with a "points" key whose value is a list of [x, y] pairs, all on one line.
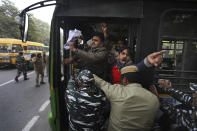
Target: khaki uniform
{"points": [[38, 67], [133, 108]]}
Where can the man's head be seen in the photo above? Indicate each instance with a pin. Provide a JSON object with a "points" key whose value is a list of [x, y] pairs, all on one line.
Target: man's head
{"points": [[20, 53], [85, 79], [130, 74], [39, 55], [97, 40], [124, 55]]}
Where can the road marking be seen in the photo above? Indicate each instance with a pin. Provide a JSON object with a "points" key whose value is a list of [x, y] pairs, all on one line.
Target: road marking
{"points": [[35, 118], [30, 123], [14, 80], [6, 82], [42, 108]]}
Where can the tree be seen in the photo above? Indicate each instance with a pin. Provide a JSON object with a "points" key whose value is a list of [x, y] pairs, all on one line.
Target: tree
{"points": [[38, 30], [8, 26], [42, 28]]}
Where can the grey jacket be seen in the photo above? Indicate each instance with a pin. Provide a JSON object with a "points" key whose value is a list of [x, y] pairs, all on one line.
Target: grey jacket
{"points": [[94, 60]]}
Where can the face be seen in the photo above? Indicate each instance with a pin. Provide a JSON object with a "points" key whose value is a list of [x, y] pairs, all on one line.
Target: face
{"points": [[96, 42], [124, 81], [39, 55], [124, 57], [120, 43]]}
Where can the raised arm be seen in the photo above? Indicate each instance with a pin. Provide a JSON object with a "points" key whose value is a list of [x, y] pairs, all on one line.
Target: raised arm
{"points": [[177, 94], [109, 89]]}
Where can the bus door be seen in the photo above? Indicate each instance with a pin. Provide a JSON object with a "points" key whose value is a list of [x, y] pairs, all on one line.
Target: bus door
{"points": [[118, 30]]}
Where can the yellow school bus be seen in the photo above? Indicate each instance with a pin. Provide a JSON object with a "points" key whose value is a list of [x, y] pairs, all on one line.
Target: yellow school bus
{"points": [[33, 47], [9, 49]]}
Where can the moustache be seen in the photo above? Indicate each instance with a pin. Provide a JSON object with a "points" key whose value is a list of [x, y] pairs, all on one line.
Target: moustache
{"points": [[124, 59]]}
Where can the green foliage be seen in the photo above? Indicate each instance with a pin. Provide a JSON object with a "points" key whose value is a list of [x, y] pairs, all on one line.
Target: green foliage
{"points": [[8, 26], [38, 30]]}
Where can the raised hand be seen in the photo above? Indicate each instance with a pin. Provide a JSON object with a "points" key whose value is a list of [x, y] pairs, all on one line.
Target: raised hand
{"points": [[104, 29], [164, 83], [155, 58], [72, 47]]}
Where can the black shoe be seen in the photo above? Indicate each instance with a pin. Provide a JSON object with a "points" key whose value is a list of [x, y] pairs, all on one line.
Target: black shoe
{"points": [[16, 79], [26, 78], [37, 85], [42, 82]]}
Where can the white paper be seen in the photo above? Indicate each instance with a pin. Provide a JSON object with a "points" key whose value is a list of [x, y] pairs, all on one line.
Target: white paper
{"points": [[73, 33]]}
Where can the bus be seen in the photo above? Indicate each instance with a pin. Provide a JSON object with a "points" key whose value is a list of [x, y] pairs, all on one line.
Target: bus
{"points": [[33, 47], [146, 25], [9, 49]]}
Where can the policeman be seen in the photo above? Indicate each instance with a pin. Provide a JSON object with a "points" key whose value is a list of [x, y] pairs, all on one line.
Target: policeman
{"points": [[86, 103], [184, 114], [21, 66], [38, 67]]}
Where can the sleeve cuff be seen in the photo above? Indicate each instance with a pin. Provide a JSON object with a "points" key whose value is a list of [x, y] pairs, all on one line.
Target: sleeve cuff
{"points": [[147, 64]]}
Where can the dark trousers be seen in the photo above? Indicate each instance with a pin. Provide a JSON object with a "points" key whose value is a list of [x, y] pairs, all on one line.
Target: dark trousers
{"points": [[19, 71]]}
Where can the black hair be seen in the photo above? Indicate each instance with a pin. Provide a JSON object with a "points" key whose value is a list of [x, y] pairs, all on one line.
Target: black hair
{"points": [[33, 55], [100, 35], [20, 53], [125, 48]]}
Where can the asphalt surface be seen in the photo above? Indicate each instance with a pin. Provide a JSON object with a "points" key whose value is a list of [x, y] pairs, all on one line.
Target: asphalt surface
{"points": [[21, 102]]}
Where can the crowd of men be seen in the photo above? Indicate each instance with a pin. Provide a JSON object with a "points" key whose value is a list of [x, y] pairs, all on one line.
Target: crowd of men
{"points": [[112, 93], [124, 90]]}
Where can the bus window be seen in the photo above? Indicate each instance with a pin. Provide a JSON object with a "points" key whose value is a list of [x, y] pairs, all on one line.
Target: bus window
{"points": [[178, 35], [46, 48], [172, 59], [25, 48], [16, 48], [4, 48]]}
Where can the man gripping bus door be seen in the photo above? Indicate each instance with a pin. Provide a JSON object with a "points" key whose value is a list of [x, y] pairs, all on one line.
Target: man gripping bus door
{"points": [[132, 106], [21, 66], [95, 59], [86, 103], [38, 67], [183, 115]]}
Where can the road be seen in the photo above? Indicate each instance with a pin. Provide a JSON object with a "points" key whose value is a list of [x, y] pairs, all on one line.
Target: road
{"points": [[23, 107]]}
